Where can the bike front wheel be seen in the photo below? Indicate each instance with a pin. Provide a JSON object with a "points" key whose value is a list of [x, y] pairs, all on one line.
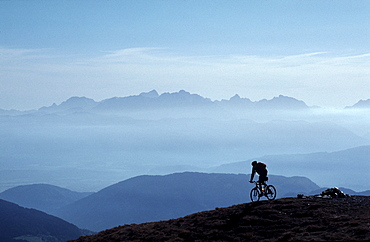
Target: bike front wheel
{"points": [[255, 194], [270, 192]]}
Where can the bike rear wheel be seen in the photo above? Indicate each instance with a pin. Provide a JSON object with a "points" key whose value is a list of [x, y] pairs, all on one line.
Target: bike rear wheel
{"points": [[255, 194], [270, 192]]}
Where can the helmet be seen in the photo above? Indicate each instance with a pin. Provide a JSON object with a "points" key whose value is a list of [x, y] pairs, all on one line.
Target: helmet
{"points": [[254, 163]]}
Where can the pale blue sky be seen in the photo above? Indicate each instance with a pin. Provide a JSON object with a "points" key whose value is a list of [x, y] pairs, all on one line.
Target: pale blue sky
{"points": [[317, 51]]}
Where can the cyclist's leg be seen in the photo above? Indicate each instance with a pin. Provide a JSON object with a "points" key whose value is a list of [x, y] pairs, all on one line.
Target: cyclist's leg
{"points": [[262, 180]]}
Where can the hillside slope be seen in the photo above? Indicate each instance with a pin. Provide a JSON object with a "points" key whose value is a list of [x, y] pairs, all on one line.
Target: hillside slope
{"points": [[287, 219], [153, 198], [30, 224]]}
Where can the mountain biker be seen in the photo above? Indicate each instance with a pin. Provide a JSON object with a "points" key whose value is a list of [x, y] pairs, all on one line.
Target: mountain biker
{"points": [[261, 170]]}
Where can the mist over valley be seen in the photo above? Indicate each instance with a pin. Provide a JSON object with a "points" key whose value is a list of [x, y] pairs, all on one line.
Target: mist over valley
{"points": [[86, 145]]}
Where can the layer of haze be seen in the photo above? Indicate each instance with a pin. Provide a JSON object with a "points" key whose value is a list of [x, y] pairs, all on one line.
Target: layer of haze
{"points": [[85, 145]]}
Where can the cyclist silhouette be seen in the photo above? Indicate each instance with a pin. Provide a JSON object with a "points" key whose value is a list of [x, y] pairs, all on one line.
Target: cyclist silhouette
{"points": [[261, 170]]}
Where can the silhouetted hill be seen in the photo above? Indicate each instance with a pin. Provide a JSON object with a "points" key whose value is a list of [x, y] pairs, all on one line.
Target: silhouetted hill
{"points": [[32, 225], [286, 219], [152, 198], [43, 197]]}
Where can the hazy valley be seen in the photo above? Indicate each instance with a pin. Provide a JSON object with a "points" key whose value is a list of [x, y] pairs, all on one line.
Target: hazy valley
{"points": [[86, 145]]}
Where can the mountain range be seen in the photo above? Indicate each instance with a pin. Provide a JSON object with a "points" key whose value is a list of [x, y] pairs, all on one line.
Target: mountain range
{"points": [[87, 145], [153, 100], [151, 142], [153, 105], [182, 99], [153, 198]]}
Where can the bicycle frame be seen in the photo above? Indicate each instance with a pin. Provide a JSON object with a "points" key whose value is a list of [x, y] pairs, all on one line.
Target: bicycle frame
{"points": [[260, 190]]}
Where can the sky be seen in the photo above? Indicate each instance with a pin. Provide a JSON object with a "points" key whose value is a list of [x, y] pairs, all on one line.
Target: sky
{"points": [[316, 51]]}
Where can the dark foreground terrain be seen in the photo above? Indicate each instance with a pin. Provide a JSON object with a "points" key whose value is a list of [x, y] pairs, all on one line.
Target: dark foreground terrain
{"points": [[298, 219]]}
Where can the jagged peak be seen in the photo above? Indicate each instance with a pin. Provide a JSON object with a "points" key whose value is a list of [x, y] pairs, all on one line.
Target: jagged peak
{"points": [[181, 92], [183, 95], [152, 94], [285, 97], [235, 97]]}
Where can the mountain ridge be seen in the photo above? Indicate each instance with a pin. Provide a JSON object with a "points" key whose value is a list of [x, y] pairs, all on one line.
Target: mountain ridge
{"points": [[148, 198], [184, 98], [286, 219], [157, 197], [152, 99], [178, 99]]}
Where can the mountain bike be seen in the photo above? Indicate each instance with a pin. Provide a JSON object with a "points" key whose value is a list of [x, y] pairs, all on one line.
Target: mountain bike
{"points": [[269, 191]]}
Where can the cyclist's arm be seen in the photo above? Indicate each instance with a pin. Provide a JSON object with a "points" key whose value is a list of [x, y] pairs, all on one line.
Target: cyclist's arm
{"points": [[252, 174]]}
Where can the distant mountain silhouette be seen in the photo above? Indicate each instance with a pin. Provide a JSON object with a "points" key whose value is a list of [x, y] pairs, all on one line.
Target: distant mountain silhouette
{"points": [[152, 198], [43, 197], [72, 104], [154, 138], [151, 94], [152, 100], [181, 99], [287, 219], [361, 104], [327, 165], [22, 224], [281, 102], [12, 112]]}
